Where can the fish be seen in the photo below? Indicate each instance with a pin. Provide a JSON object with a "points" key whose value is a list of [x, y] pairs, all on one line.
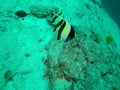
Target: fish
{"points": [[64, 29]]}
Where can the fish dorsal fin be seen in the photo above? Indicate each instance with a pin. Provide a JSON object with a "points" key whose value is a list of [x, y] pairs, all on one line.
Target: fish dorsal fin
{"points": [[52, 16]]}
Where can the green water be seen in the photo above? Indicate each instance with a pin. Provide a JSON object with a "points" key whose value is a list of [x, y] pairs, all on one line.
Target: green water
{"points": [[58, 45]]}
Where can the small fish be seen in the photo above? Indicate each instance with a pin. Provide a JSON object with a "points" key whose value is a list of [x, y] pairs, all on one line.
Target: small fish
{"points": [[65, 30], [21, 14]]}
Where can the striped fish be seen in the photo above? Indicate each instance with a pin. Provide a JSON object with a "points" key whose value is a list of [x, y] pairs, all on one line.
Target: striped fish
{"points": [[65, 30]]}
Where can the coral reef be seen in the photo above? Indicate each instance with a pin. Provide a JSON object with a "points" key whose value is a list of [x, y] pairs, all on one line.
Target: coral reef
{"points": [[79, 62]]}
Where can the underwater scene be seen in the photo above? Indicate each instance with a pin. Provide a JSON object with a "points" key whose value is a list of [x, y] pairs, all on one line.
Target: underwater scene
{"points": [[59, 45]]}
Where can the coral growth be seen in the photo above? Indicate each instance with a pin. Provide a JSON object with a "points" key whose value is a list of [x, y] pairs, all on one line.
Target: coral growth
{"points": [[97, 2], [63, 64], [109, 39], [8, 76]]}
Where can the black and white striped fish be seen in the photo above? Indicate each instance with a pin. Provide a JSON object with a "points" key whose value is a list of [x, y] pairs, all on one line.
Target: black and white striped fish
{"points": [[65, 30]]}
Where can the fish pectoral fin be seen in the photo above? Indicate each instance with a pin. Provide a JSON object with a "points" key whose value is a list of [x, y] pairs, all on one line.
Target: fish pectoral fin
{"points": [[54, 29]]}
